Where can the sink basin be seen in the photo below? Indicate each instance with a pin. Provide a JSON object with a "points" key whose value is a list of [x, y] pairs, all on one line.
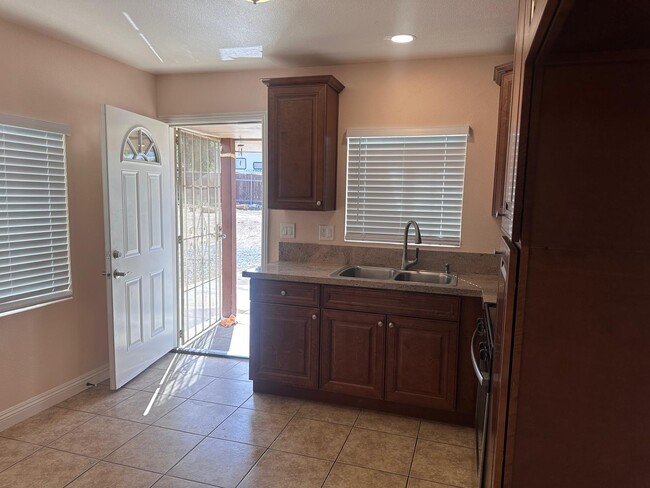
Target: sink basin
{"points": [[427, 277], [369, 272], [389, 274]]}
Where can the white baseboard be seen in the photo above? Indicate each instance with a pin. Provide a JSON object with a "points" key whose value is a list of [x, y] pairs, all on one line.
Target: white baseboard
{"points": [[49, 398]]}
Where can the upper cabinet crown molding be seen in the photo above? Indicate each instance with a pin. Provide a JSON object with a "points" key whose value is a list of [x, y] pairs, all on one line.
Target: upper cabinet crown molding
{"points": [[500, 71], [328, 80], [303, 142]]}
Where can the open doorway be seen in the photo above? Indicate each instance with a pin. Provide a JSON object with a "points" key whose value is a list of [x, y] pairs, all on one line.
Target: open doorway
{"points": [[220, 214]]}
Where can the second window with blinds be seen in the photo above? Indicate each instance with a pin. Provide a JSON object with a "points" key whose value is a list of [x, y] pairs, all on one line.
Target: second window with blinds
{"points": [[394, 176]]}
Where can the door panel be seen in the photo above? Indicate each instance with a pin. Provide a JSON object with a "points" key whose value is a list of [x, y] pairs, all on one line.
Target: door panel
{"points": [[140, 239], [155, 212], [352, 353], [421, 362], [130, 213]]}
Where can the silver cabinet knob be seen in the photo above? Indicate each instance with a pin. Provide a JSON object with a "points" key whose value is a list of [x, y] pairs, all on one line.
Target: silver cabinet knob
{"points": [[380, 323], [283, 293], [314, 317], [318, 203], [391, 325]]}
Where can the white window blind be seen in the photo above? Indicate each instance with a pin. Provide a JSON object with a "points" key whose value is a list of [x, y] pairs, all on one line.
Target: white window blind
{"points": [[34, 250], [392, 179]]}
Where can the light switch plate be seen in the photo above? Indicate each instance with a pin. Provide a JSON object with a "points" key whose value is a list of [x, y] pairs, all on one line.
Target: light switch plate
{"points": [[287, 231], [325, 232]]}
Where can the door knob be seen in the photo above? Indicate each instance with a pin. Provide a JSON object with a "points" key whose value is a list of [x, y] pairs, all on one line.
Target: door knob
{"points": [[117, 254], [120, 274]]}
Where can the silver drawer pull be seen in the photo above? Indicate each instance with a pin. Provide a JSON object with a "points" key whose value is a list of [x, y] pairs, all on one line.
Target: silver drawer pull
{"points": [[283, 293], [314, 317], [391, 325], [318, 203], [380, 324]]}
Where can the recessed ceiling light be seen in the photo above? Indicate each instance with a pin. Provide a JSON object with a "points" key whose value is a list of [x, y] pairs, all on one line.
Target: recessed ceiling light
{"points": [[402, 38]]}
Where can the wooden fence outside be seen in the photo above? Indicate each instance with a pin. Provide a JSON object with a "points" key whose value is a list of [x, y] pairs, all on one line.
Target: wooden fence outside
{"points": [[249, 188]]}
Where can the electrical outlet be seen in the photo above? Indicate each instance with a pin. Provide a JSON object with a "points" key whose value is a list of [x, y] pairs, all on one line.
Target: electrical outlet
{"points": [[287, 231], [325, 232]]}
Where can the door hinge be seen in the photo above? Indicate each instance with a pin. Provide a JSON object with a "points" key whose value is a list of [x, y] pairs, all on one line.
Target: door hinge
{"points": [[180, 334], [179, 240]]}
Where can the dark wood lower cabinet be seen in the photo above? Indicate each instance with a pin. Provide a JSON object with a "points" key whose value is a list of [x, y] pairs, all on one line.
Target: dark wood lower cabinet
{"points": [[352, 353], [421, 362], [412, 365], [284, 344]]}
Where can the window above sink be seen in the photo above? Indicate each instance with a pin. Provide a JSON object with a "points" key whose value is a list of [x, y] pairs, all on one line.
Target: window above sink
{"points": [[395, 175]]}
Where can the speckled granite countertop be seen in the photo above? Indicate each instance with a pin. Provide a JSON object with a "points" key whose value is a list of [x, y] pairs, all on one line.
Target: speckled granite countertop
{"points": [[476, 285]]}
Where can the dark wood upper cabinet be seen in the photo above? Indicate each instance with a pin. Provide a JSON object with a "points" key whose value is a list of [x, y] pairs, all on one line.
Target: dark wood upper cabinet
{"points": [[352, 348], [303, 142], [503, 78], [421, 359]]}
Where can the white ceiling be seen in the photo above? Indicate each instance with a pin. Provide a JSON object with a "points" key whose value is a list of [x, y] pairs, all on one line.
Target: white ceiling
{"points": [[187, 34]]}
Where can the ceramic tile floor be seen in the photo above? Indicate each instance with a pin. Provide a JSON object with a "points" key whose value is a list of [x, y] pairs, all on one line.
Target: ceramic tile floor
{"points": [[193, 421]]}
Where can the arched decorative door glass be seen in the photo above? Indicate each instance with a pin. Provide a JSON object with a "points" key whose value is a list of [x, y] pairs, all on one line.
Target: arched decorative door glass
{"points": [[140, 146]]}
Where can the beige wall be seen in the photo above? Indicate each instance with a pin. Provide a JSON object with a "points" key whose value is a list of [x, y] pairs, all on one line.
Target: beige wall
{"points": [[50, 80], [426, 93]]}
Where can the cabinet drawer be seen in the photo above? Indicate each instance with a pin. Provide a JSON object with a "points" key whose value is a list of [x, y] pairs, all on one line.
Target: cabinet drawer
{"points": [[421, 305], [285, 292]]}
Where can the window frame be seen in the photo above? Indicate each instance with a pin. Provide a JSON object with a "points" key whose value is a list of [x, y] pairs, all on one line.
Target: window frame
{"points": [[428, 241], [13, 305]]}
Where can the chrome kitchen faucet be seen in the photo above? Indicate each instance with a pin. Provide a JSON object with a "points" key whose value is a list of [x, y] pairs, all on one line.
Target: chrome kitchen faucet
{"points": [[406, 264]]}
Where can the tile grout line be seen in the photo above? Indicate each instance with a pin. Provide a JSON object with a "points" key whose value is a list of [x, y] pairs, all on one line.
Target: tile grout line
{"points": [[341, 450], [204, 438], [267, 449], [415, 448], [23, 459]]}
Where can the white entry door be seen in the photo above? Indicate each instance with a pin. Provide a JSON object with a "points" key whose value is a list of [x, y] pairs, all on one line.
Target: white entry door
{"points": [[140, 241]]}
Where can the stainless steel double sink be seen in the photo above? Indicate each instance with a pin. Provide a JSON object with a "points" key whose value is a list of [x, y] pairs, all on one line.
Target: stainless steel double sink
{"points": [[391, 274]]}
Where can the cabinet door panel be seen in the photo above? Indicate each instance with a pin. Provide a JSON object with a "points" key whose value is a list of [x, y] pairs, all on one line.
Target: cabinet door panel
{"points": [[503, 74], [284, 344], [296, 147], [421, 362], [352, 353]]}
